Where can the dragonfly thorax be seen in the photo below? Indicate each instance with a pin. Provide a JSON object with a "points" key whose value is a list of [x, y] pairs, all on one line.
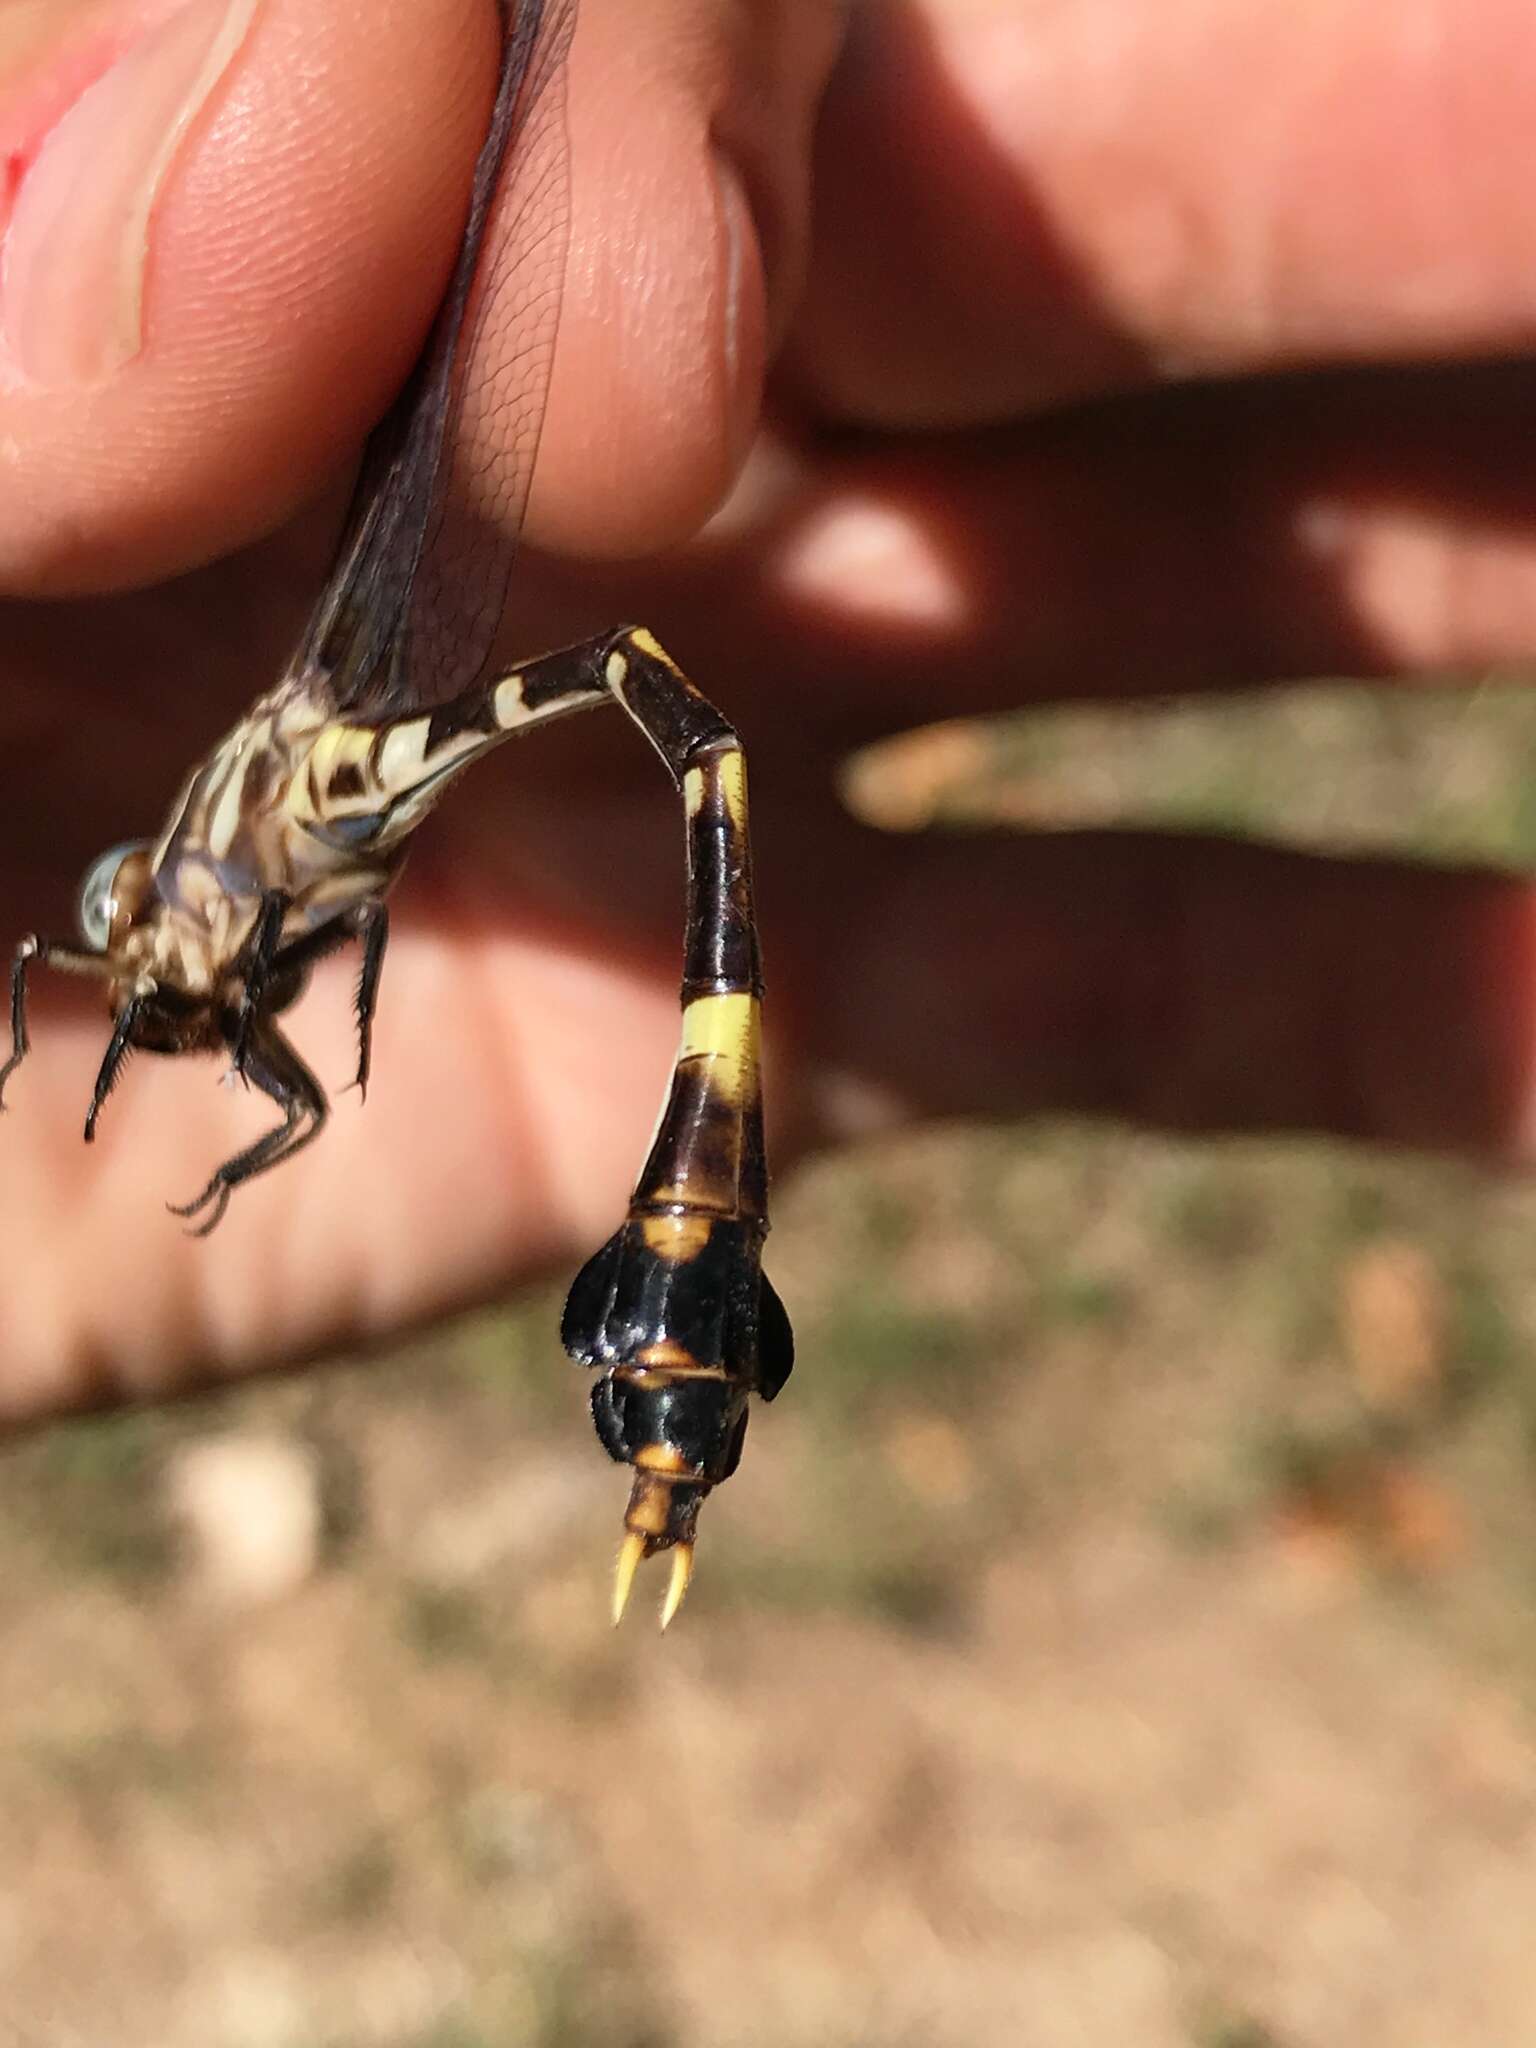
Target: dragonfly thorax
{"points": [[185, 938]]}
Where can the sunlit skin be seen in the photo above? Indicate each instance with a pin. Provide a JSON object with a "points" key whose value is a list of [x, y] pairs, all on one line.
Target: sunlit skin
{"points": [[1123, 227]]}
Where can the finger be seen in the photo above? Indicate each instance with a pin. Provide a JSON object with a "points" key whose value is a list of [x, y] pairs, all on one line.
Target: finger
{"points": [[1183, 983], [1021, 204], [691, 130], [192, 333], [1198, 540], [207, 197], [1189, 981]]}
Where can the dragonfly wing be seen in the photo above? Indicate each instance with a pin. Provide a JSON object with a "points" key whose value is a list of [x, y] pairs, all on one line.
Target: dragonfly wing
{"points": [[415, 597]]}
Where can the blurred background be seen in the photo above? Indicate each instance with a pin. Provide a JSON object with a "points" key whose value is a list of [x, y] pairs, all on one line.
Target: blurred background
{"points": [[1121, 1631]]}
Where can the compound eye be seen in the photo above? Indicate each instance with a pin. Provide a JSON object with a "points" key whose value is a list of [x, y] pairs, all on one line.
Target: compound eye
{"points": [[97, 903]]}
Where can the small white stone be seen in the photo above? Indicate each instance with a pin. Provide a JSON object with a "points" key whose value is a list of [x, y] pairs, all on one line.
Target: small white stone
{"points": [[251, 1512], [249, 1999]]}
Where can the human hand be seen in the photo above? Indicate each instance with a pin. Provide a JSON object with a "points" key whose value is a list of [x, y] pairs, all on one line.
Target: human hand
{"points": [[1032, 225]]}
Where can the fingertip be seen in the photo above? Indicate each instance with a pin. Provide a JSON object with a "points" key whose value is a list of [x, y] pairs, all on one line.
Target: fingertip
{"points": [[661, 334], [142, 438], [690, 142], [298, 232]]}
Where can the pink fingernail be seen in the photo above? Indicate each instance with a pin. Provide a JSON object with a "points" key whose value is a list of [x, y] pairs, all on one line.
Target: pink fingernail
{"points": [[73, 260]]}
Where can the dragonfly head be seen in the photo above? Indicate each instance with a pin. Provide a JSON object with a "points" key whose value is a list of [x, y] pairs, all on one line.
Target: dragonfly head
{"points": [[117, 911], [113, 894]]}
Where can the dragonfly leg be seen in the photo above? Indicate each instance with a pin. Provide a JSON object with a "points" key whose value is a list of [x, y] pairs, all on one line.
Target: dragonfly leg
{"points": [[112, 1062], [675, 1309], [368, 922], [276, 1069], [21, 1044], [67, 960], [373, 924], [261, 951]]}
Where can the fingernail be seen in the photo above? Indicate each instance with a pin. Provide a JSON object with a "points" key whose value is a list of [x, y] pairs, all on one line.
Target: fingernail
{"points": [[77, 243], [744, 309]]}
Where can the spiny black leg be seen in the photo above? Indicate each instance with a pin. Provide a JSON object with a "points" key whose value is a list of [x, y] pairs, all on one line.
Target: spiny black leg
{"points": [[276, 1069], [373, 923], [112, 1063], [21, 1045], [261, 950], [370, 923], [299, 955], [68, 960]]}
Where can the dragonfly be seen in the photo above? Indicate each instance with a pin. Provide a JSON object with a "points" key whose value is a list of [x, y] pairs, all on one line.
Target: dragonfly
{"points": [[283, 844]]}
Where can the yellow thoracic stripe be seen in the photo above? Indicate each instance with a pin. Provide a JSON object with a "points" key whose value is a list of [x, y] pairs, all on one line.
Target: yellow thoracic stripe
{"points": [[336, 744], [403, 754], [332, 745]]}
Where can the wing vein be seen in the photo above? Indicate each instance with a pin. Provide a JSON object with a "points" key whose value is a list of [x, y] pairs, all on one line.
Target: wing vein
{"points": [[416, 593]]}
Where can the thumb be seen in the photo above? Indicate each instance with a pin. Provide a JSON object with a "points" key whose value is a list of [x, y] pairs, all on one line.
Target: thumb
{"points": [[202, 200], [227, 222]]}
